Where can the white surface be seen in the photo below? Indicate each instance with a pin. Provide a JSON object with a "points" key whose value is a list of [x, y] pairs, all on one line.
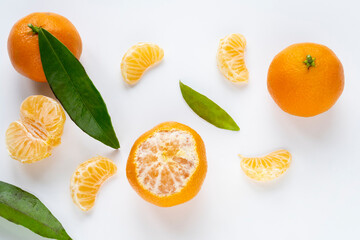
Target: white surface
{"points": [[319, 198]]}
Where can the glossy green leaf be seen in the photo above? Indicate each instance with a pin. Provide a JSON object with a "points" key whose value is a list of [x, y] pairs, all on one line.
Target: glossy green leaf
{"points": [[207, 109], [25, 209], [74, 89]]}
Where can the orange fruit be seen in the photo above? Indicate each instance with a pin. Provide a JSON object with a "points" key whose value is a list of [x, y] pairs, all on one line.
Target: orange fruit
{"points": [[87, 180], [138, 59], [38, 131], [23, 44], [268, 167], [167, 165], [231, 58], [305, 79]]}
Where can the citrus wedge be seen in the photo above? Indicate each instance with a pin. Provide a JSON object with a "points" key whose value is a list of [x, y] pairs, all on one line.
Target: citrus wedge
{"points": [[87, 180], [231, 59], [167, 165], [39, 129], [267, 167], [138, 59]]}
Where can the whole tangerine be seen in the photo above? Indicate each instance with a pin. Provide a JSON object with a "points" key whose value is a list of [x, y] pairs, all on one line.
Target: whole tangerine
{"points": [[23, 44], [305, 79]]}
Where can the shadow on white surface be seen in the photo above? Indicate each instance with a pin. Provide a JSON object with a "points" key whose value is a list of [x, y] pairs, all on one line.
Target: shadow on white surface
{"points": [[316, 127], [269, 186], [42, 89], [29, 87], [178, 219], [114, 155], [35, 170], [231, 86]]}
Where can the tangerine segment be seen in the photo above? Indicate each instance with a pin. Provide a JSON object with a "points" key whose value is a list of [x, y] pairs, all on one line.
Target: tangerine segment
{"points": [[87, 180], [39, 129], [167, 165], [231, 58], [24, 146], [45, 116], [267, 167], [138, 59]]}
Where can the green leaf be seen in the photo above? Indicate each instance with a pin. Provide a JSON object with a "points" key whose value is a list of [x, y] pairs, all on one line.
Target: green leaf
{"points": [[25, 209], [207, 109], [74, 89]]}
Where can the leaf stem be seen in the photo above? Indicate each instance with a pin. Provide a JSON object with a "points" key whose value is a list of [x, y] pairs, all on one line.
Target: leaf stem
{"points": [[310, 61], [35, 29]]}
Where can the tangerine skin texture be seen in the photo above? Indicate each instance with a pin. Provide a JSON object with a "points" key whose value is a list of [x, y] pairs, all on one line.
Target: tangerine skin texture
{"points": [[195, 182], [23, 44], [303, 91]]}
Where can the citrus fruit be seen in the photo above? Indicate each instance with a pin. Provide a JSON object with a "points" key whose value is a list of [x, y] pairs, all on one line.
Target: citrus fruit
{"points": [[305, 79], [138, 59], [38, 131], [87, 180], [231, 58], [268, 167], [23, 45], [167, 165]]}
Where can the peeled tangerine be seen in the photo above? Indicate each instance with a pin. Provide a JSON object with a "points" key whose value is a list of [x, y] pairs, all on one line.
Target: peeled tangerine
{"points": [[231, 58], [138, 59], [38, 131], [268, 167], [167, 165], [87, 180]]}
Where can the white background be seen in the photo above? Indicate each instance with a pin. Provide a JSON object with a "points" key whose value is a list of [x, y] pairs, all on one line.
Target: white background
{"points": [[319, 197]]}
